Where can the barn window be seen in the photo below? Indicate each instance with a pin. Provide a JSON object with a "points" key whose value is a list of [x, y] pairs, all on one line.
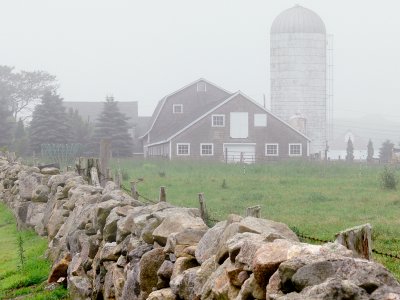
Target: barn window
{"points": [[177, 108], [295, 149], [260, 120], [183, 149], [271, 149], [201, 86], [218, 120], [206, 149]]}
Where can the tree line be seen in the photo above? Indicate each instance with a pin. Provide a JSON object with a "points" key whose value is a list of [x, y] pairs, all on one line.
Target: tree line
{"points": [[385, 152], [32, 114]]}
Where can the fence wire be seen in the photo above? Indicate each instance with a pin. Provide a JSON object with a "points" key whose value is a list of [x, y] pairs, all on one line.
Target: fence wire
{"points": [[295, 229], [141, 196]]}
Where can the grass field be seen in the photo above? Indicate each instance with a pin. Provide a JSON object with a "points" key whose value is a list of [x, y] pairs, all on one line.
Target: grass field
{"points": [[27, 280], [318, 199]]}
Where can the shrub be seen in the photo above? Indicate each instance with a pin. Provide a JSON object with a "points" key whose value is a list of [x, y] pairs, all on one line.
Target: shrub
{"points": [[388, 179], [224, 185]]}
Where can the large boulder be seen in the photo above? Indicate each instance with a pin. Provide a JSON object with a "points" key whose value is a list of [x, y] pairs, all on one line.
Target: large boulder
{"points": [[303, 272], [40, 193], [56, 181], [209, 243], [269, 256], [177, 242], [149, 265], [79, 288], [332, 289], [267, 227], [28, 181], [177, 222]]}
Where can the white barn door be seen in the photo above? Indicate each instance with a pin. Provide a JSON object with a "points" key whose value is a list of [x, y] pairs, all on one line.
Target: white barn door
{"points": [[240, 153]]}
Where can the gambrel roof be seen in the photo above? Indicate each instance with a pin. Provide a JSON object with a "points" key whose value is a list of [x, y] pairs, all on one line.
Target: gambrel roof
{"points": [[172, 129], [164, 123]]}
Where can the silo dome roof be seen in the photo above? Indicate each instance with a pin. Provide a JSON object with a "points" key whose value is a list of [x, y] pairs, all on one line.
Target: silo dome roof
{"points": [[298, 19]]}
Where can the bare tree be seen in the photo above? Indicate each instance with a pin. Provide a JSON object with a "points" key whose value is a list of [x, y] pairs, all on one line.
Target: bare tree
{"points": [[22, 90]]}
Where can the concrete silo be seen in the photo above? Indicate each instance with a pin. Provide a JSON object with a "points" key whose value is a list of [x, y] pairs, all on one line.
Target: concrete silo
{"points": [[298, 72]]}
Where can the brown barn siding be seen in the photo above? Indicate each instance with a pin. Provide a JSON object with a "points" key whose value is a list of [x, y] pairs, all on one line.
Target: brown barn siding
{"points": [[202, 132]]}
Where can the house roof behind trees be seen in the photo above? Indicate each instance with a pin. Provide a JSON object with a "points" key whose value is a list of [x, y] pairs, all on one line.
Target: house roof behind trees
{"points": [[90, 111]]}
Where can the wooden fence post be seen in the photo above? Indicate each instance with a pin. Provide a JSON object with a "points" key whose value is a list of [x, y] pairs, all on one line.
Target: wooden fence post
{"points": [[254, 211], [94, 177], [163, 194], [105, 157], [226, 155], [134, 192], [357, 239], [203, 207], [118, 178]]}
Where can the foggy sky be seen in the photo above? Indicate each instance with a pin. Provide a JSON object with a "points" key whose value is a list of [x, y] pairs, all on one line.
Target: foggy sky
{"points": [[143, 50]]}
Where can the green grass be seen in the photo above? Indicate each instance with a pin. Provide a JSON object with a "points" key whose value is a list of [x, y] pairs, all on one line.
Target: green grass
{"points": [[318, 199], [25, 281]]}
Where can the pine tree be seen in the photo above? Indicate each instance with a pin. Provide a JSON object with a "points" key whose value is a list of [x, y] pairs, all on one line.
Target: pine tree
{"points": [[385, 152], [80, 129], [20, 144], [7, 123], [350, 151], [370, 150], [113, 124], [49, 123]]}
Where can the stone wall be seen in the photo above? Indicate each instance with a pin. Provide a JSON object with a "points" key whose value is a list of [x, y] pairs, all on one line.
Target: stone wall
{"points": [[106, 245]]}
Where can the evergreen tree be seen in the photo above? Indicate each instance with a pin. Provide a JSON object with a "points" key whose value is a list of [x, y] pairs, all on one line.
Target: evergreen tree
{"points": [[112, 124], [49, 123], [370, 149], [20, 144], [385, 152], [350, 151], [7, 123], [80, 130]]}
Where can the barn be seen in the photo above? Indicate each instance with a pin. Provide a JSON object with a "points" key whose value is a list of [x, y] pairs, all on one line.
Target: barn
{"points": [[205, 122]]}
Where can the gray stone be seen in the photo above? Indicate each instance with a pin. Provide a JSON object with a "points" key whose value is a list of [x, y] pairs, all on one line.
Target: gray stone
{"points": [[107, 252], [208, 244], [251, 290], [50, 171], [110, 228], [79, 288], [102, 211], [182, 264], [165, 270], [385, 292], [28, 183], [163, 294], [176, 223], [358, 239], [131, 288], [40, 193], [149, 264], [184, 284], [263, 226]]}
